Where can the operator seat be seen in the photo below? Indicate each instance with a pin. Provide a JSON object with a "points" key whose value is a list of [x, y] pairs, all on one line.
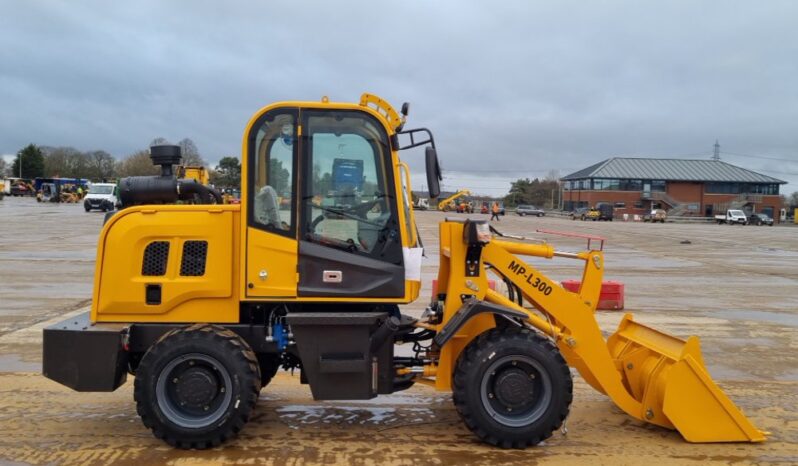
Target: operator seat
{"points": [[267, 210]]}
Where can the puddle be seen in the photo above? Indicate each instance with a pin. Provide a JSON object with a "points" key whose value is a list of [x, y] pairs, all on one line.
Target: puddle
{"points": [[723, 372], [790, 320], [294, 415], [789, 376], [12, 363]]}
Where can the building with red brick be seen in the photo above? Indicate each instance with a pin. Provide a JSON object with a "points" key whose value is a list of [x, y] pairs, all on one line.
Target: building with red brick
{"points": [[700, 188]]}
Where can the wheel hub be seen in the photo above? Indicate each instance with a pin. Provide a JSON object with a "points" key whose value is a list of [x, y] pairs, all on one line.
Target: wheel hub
{"points": [[196, 388], [514, 388]]}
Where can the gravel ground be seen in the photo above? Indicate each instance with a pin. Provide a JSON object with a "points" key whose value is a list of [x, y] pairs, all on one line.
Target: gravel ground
{"points": [[733, 286]]}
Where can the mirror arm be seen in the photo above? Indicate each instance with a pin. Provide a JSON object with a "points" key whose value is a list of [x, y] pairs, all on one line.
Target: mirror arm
{"points": [[411, 132]]}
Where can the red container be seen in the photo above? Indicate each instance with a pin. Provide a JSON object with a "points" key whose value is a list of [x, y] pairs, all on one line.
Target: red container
{"points": [[611, 297]]}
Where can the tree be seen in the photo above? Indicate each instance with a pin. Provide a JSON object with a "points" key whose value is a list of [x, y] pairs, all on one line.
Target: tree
{"points": [[227, 173], [66, 162], [190, 153], [3, 167], [100, 165], [540, 193], [793, 200], [552, 175], [279, 178], [32, 162], [137, 164], [188, 150]]}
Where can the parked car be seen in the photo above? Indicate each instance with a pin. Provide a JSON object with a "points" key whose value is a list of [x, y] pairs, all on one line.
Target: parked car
{"points": [[602, 212], [529, 210], [732, 216], [760, 219], [656, 215], [580, 213]]}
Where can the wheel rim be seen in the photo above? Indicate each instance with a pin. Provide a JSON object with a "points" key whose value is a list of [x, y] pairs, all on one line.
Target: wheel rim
{"points": [[194, 390], [516, 390]]}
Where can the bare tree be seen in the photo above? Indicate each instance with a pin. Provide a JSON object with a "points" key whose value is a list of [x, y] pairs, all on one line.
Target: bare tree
{"points": [[552, 175], [101, 165], [159, 141], [65, 162], [191, 155], [136, 164], [3, 167]]}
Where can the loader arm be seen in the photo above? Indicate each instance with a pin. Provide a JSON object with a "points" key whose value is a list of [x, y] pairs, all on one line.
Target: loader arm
{"points": [[650, 375], [573, 325], [442, 204]]}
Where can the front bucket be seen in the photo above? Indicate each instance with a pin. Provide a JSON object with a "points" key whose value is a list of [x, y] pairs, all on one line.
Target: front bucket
{"points": [[667, 376]]}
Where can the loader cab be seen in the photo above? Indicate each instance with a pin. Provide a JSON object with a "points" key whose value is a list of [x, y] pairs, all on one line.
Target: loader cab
{"points": [[326, 214]]}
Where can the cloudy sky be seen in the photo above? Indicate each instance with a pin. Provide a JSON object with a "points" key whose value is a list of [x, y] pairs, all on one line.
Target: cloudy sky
{"points": [[511, 89]]}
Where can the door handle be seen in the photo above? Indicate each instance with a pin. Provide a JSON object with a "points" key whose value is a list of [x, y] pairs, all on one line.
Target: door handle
{"points": [[332, 276]]}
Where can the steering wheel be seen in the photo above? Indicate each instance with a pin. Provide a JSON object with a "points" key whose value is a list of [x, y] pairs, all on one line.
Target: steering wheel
{"points": [[357, 212]]}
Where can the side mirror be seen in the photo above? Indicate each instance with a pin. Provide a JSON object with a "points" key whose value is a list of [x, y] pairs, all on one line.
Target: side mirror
{"points": [[433, 172], [405, 108]]}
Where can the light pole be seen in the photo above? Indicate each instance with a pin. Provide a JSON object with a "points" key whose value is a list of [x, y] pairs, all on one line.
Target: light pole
{"points": [[20, 164]]}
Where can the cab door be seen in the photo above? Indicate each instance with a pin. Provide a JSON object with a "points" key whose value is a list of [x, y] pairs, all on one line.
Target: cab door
{"points": [[271, 205], [350, 242]]}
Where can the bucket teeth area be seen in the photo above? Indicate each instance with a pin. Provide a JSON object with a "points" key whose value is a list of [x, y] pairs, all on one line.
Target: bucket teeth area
{"points": [[668, 377]]}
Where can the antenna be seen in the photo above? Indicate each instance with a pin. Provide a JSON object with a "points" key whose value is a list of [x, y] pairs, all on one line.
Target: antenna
{"points": [[716, 152]]}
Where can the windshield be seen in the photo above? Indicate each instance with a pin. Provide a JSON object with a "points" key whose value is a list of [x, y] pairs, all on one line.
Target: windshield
{"points": [[736, 213], [107, 189]]}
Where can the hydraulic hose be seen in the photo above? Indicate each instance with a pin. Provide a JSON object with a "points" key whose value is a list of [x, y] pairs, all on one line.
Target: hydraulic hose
{"points": [[188, 188]]}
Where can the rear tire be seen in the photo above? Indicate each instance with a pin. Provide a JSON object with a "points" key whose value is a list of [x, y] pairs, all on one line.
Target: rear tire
{"points": [[512, 387], [196, 386]]}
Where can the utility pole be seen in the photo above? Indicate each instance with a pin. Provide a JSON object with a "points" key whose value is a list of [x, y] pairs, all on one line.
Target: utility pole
{"points": [[20, 164], [716, 152]]}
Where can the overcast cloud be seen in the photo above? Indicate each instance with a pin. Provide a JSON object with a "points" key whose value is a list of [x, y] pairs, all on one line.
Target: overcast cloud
{"points": [[511, 89]]}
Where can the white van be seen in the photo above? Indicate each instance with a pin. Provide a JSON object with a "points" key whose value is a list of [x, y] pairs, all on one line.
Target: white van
{"points": [[101, 196]]}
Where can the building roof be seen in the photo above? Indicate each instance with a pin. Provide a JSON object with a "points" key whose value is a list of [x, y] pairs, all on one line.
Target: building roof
{"points": [[671, 170]]}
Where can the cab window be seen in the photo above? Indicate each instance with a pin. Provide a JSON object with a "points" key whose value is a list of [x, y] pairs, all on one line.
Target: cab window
{"points": [[348, 203], [273, 151]]}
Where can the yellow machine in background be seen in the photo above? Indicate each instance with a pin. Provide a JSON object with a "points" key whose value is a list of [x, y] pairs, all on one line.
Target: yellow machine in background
{"points": [[205, 302], [449, 204], [198, 174]]}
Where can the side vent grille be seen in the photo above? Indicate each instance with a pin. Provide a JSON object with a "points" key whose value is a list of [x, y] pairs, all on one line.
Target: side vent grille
{"points": [[155, 257], [193, 262]]}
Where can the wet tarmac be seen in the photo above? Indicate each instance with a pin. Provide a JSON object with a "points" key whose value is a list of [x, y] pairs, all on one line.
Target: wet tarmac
{"points": [[735, 287]]}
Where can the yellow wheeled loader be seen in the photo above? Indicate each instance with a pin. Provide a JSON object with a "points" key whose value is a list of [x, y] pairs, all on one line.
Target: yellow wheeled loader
{"points": [[203, 303]]}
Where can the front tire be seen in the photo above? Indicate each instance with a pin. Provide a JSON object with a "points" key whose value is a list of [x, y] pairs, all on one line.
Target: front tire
{"points": [[196, 386], [512, 387]]}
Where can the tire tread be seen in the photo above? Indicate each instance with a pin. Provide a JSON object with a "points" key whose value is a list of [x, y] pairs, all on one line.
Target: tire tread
{"points": [[250, 391], [479, 349]]}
